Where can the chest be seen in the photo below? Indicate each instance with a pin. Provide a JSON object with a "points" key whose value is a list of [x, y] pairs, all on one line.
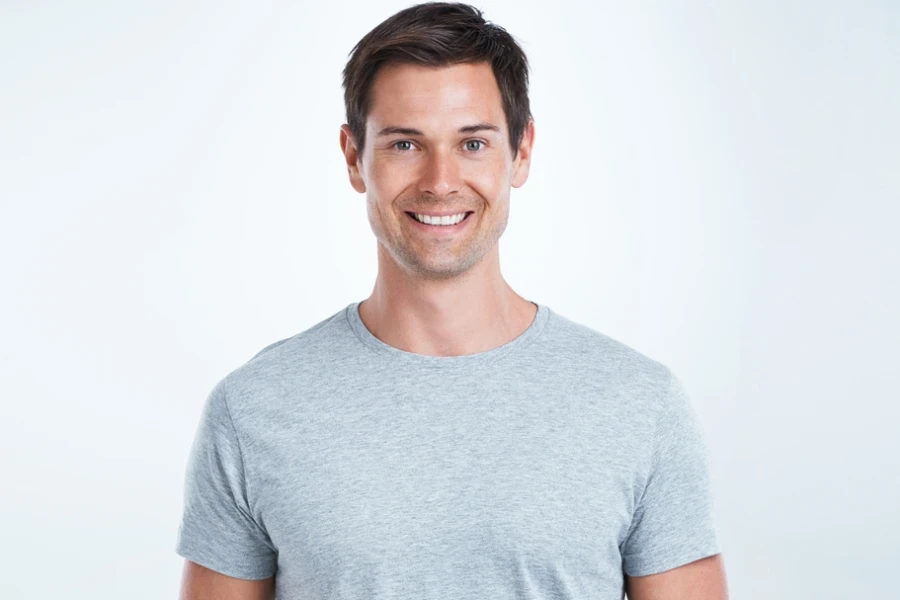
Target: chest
{"points": [[435, 485]]}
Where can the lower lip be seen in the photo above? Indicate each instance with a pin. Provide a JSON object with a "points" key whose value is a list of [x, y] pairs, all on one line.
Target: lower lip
{"points": [[441, 229]]}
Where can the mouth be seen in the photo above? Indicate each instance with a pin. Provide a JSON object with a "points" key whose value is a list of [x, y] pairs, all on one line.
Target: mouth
{"points": [[452, 219], [440, 228]]}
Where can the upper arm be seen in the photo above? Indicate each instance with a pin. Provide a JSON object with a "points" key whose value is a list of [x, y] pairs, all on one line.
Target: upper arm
{"points": [[200, 583], [702, 579], [219, 528], [673, 522]]}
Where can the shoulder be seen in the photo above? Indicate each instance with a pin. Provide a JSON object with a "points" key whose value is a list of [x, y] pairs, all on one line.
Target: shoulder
{"points": [[275, 369], [606, 358]]}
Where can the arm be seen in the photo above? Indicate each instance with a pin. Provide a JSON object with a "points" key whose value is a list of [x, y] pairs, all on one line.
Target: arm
{"points": [[200, 583], [702, 579], [672, 551], [229, 553]]}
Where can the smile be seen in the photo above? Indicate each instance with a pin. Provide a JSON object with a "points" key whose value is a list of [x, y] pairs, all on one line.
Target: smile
{"points": [[446, 224], [444, 220]]}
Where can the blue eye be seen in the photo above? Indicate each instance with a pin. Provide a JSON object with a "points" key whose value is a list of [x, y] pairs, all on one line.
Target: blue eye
{"points": [[475, 142], [402, 142]]}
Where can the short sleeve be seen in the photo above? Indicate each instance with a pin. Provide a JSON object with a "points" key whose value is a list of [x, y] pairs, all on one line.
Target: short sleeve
{"points": [[674, 522], [217, 529]]}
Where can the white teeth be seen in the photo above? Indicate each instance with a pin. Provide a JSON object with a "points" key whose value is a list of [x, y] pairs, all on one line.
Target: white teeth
{"points": [[447, 220]]}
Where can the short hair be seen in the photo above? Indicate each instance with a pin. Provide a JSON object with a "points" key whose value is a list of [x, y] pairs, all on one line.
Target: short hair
{"points": [[438, 34]]}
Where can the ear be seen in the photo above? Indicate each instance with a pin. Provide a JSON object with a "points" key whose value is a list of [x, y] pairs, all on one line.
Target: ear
{"points": [[351, 157], [522, 164]]}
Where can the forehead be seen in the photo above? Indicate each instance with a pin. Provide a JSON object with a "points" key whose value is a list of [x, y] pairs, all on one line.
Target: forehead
{"points": [[435, 98]]}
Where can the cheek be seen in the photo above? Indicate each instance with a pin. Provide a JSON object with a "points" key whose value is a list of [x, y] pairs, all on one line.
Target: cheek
{"points": [[489, 172], [487, 183], [388, 179]]}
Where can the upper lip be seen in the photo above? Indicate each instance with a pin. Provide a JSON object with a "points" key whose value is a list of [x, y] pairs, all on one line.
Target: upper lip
{"points": [[440, 214]]}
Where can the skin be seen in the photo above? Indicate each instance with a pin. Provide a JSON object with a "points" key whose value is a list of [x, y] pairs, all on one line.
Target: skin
{"points": [[439, 295], [200, 583], [444, 296], [702, 579]]}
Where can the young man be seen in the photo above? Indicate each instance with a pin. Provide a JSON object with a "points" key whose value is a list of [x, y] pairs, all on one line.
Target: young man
{"points": [[445, 437]]}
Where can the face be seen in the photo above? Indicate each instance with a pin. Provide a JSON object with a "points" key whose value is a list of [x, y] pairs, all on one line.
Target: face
{"points": [[437, 142]]}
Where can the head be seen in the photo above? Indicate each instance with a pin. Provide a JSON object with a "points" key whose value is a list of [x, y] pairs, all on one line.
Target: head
{"points": [[438, 121]]}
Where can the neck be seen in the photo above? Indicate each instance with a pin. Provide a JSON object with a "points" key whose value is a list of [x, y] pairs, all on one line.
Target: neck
{"points": [[473, 312]]}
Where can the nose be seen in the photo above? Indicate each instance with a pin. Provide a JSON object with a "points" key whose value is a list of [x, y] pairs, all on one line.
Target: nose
{"points": [[440, 174]]}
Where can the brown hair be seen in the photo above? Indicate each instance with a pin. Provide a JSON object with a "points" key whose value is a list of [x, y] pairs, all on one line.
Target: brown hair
{"points": [[438, 34]]}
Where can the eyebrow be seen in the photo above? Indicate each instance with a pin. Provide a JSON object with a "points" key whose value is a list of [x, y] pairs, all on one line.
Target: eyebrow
{"points": [[413, 132]]}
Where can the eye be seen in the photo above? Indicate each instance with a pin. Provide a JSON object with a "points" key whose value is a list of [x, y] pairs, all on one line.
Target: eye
{"points": [[468, 147], [402, 142]]}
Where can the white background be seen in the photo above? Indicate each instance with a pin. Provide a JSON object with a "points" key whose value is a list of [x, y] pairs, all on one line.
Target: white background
{"points": [[714, 184]]}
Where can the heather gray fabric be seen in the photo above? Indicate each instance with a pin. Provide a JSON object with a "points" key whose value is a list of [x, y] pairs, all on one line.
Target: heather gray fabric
{"points": [[540, 469]]}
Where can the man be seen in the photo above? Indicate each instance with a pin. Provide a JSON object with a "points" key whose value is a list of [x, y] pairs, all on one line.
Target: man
{"points": [[445, 437]]}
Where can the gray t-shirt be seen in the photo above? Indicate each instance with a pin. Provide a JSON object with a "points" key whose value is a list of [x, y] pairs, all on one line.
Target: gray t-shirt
{"points": [[544, 468]]}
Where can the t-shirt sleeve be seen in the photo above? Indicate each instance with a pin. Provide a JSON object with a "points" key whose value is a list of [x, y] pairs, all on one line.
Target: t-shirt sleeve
{"points": [[674, 522], [217, 529]]}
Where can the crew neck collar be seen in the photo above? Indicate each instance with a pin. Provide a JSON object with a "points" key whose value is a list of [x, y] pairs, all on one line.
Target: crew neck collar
{"points": [[411, 358]]}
